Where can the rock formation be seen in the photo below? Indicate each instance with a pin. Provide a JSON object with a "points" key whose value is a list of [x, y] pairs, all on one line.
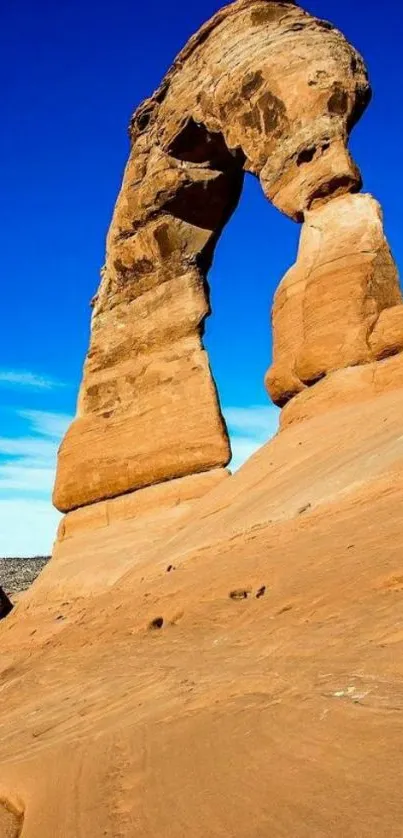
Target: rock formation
{"points": [[340, 305], [204, 654], [265, 88]]}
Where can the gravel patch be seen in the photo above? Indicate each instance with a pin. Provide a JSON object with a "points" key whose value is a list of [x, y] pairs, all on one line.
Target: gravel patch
{"points": [[16, 575]]}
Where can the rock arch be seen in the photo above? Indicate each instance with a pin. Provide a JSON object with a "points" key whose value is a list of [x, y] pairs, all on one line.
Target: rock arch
{"points": [[266, 88]]}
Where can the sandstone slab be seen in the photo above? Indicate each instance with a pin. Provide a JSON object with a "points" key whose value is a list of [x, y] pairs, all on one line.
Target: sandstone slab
{"points": [[141, 504], [349, 386]]}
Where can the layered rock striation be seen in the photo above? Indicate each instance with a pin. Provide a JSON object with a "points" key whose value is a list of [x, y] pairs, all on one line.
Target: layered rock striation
{"points": [[340, 305]]}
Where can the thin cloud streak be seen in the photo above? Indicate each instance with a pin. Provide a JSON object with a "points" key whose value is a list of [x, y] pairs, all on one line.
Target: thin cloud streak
{"points": [[46, 423], [28, 463], [26, 478], [29, 380], [27, 471], [27, 527], [249, 428], [254, 420], [34, 448]]}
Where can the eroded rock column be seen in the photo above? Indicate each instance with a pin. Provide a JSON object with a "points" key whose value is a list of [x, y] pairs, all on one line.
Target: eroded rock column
{"points": [[148, 409], [328, 307]]}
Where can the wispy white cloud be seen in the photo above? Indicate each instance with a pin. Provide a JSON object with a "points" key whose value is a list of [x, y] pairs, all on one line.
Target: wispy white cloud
{"points": [[22, 378], [249, 428], [45, 423], [255, 420], [26, 476], [27, 527], [36, 448], [28, 463], [27, 471]]}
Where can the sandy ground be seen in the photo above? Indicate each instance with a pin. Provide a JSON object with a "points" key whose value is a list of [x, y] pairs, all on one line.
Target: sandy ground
{"points": [[255, 690]]}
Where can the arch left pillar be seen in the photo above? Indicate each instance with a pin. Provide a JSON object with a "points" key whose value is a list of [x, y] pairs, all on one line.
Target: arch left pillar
{"points": [[148, 410]]}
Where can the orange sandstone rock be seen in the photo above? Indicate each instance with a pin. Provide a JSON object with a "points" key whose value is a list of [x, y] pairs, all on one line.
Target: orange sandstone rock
{"points": [[340, 305], [140, 504], [352, 280], [347, 386], [387, 336], [264, 87]]}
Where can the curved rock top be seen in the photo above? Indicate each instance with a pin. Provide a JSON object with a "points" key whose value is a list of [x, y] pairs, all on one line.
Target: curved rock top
{"points": [[282, 87]]}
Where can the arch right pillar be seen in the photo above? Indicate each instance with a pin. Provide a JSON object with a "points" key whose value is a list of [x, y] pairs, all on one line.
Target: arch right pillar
{"points": [[339, 307]]}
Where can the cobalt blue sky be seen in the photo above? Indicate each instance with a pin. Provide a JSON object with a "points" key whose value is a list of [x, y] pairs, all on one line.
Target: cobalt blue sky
{"points": [[72, 73]]}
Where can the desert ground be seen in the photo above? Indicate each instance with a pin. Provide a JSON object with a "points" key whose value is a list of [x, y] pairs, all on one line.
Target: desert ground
{"points": [[254, 689]]}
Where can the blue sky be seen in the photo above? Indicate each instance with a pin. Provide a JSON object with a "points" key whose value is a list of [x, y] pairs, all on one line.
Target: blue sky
{"points": [[72, 73]]}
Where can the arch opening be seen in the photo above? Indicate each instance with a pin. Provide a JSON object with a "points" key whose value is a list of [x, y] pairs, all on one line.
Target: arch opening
{"points": [[253, 253]]}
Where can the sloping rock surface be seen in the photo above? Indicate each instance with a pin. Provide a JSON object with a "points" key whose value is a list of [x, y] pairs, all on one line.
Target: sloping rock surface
{"points": [[157, 702]]}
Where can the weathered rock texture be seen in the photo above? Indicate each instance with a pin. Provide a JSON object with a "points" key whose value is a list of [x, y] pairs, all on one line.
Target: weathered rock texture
{"points": [[264, 88], [139, 697], [174, 494], [10, 822], [273, 716], [340, 305]]}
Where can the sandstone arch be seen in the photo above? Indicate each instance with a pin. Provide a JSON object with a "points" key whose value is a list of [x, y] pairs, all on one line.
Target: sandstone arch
{"points": [[266, 88]]}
